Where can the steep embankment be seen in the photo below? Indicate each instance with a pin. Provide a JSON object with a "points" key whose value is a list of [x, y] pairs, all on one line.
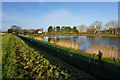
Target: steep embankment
{"points": [[21, 61]]}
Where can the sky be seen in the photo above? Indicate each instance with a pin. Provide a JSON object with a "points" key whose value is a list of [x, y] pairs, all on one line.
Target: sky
{"points": [[34, 15], [60, 0]]}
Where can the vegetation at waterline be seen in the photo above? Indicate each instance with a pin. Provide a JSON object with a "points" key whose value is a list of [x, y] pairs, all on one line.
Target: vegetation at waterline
{"points": [[109, 60], [68, 34], [21, 61]]}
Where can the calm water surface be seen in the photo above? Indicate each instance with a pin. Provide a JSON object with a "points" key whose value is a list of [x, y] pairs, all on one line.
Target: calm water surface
{"points": [[85, 41]]}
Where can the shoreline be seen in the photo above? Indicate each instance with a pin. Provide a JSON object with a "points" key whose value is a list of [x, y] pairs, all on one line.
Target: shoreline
{"points": [[106, 59], [90, 35]]}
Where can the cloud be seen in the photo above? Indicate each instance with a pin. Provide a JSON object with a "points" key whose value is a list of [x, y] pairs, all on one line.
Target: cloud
{"points": [[60, 17], [56, 17]]}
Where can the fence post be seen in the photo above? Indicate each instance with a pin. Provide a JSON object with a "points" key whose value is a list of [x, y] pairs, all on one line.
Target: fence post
{"points": [[89, 62], [93, 56]]}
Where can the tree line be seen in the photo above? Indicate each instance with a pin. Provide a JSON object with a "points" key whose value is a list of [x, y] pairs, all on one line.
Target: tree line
{"points": [[66, 29], [96, 27], [18, 29]]}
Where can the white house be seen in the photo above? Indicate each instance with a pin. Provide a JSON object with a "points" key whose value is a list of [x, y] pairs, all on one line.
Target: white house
{"points": [[40, 31]]}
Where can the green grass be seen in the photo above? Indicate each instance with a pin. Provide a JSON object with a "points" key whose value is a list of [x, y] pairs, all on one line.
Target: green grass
{"points": [[79, 59], [21, 61], [77, 73], [109, 60]]}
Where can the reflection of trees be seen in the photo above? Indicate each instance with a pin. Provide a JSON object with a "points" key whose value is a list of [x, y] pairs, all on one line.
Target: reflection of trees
{"points": [[61, 37], [57, 38], [90, 40], [85, 41], [111, 41], [49, 39], [81, 40], [103, 40], [98, 40], [67, 38], [119, 42], [75, 38], [71, 38]]}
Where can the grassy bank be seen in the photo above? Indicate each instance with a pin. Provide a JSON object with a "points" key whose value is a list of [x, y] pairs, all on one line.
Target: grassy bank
{"points": [[102, 69], [21, 61], [76, 72], [109, 60]]}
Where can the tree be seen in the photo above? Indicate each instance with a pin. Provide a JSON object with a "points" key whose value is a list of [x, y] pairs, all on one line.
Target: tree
{"points": [[63, 29], [111, 24], [112, 27], [24, 31], [82, 28], [16, 29], [10, 31], [57, 28], [32, 30], [74, 29], [36, 31], [91, 26], [91, 30], [97, 25], [66, 29], [50, 29], [41, 29]]}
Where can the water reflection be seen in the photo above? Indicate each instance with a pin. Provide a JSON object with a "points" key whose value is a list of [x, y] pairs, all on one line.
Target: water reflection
{"points": [[86, 41]]}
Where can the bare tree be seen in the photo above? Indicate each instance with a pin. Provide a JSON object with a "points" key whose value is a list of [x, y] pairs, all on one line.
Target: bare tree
{"points": [[112, 24], [41, 29], [82, 28], [32, 30], [98, 25]]}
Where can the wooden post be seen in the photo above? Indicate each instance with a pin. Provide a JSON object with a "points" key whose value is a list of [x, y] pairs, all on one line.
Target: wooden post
{"points": [[89, 62]]}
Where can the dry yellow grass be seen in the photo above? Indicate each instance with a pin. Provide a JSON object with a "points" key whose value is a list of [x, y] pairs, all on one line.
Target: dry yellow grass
{"points": [[107, 50], [69, 44], [52, 41], [40, 38]]}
